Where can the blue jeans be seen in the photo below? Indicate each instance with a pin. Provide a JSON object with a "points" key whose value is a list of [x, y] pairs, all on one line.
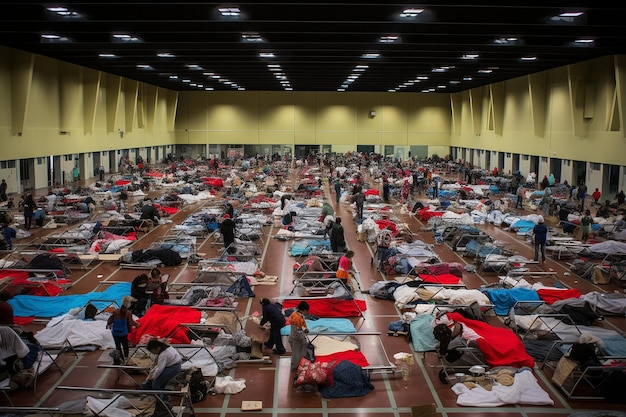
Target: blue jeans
{"points": [[161, 381], [540, 247]]}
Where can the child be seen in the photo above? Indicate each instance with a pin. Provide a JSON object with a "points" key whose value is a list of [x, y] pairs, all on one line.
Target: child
{"points": [[586, 223], [121, 323], [596, 196], [9, 233]]}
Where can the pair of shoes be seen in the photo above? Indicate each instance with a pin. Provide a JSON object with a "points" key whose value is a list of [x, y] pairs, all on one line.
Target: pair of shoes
{"points": [[278, 352]]}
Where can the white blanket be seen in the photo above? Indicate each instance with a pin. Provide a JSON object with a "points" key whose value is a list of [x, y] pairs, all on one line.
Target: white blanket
{"points": [[525, 390], [77, 332]]}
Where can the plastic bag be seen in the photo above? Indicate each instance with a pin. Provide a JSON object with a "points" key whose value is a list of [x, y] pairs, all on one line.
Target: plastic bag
{"points": [[229, 385]]}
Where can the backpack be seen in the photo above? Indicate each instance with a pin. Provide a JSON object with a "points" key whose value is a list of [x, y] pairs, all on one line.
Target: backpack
{"points": [[119, 327], [160, 294], [198, 388]]}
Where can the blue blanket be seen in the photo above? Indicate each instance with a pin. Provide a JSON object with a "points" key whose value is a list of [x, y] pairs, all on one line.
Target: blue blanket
{"points": [[422, 336], [43, 306], [325, 325], [503, 300]]}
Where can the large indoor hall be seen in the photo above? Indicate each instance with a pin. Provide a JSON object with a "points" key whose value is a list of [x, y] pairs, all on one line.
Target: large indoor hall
{"points": [[312, 208]]}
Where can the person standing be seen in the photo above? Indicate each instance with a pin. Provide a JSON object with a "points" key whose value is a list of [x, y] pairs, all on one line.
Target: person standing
{"points": [[520, 198], [540, 232], [620, 197], [29, 208], [582, 193], [359, 200], [121, 323], [101, 172], [298, 336], [167, 365], [385, 188], [586, 221], [52, 200], [3, 190], [227, 229], [273, 314], [337, 238], [337, 185], [344, 269]]}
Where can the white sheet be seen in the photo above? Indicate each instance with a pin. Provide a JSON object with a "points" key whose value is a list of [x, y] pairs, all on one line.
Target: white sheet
{"points": [[77, 332], [525, 390]]}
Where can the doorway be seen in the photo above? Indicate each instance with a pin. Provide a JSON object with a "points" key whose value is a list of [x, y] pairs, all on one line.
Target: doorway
{"points": [[303, 151], [610, 182], [27, 174], [501, 161], [579, 173], [366, 149], [515, 167], [534, 165], [555, 168], [487, 160]]}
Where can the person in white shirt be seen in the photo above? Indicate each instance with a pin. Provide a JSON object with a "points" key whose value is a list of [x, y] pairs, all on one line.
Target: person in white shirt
{"points": [[52, 199], [166, 367]]}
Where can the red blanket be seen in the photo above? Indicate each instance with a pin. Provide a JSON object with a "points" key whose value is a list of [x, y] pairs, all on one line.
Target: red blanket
{"points": [[163, 321], [21, 283], [356, 357], [549, 295], [440, 279], [330, 307], [499, 346]]}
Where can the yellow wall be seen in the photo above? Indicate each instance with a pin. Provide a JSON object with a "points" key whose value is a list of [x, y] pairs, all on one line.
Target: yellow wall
{"points": [[595, 142], [309, 118], [43, 97], [49, 96]]}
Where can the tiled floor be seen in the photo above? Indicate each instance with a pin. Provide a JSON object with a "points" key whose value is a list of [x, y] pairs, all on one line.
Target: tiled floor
{"points": [[272, 384]]}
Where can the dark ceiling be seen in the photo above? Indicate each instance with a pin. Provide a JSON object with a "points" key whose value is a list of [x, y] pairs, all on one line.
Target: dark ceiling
{"points": [[317, 46]]}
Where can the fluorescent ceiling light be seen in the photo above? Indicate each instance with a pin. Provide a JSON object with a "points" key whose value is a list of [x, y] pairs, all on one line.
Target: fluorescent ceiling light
{"points": [[63, 11], [411, 12], [341, 89], [470, 56], [124, 37], [186, 80], [267, 54], [252, 37], [50, 36], [421, 77], [229, 11], [571, 14], [371, 55], [391, 90], [165, 55], [208, 88], [467, 78], [584, 41], [529, 58], [193, 66], [241, 89], [107, 55], [143, 66], [485, 71], [362, 67], [454, 82], [388, 39], [173, 77], [193, 84]]}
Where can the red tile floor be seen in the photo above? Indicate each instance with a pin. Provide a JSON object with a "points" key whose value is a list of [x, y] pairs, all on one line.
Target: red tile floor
{"points": [[272, 383]]}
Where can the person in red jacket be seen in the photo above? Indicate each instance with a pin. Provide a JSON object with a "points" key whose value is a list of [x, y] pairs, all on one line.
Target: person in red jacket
{"points": [[596, 196]]}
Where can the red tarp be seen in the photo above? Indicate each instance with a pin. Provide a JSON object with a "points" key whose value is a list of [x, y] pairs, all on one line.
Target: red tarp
{"points": [[163, 321], [549, 295], [500, 346], [331, 307]]}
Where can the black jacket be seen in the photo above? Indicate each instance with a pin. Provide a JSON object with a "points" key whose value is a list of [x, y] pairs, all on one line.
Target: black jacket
{"points": [[337, 238], [273, 313]]}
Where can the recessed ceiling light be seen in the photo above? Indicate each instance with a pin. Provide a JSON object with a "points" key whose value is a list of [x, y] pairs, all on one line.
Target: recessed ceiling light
{"points": [[454, 82], [572, 14], [229, 11], [241, 89], [143, 66], [388, 38], [587, 41], [392, 90], [362, 67], [208, 88], [165, 55], [485, 71], [173, 77], [251, 37], [371, 55], [267, 54], [193, 66], [341, 89], [186, 80], [63, 11], [470, 56], [421, 77], [107, 55], [52, 38], [215, 76], [125, 37], [529, 58], [193, 84], [411, 12], [467, 78]]}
